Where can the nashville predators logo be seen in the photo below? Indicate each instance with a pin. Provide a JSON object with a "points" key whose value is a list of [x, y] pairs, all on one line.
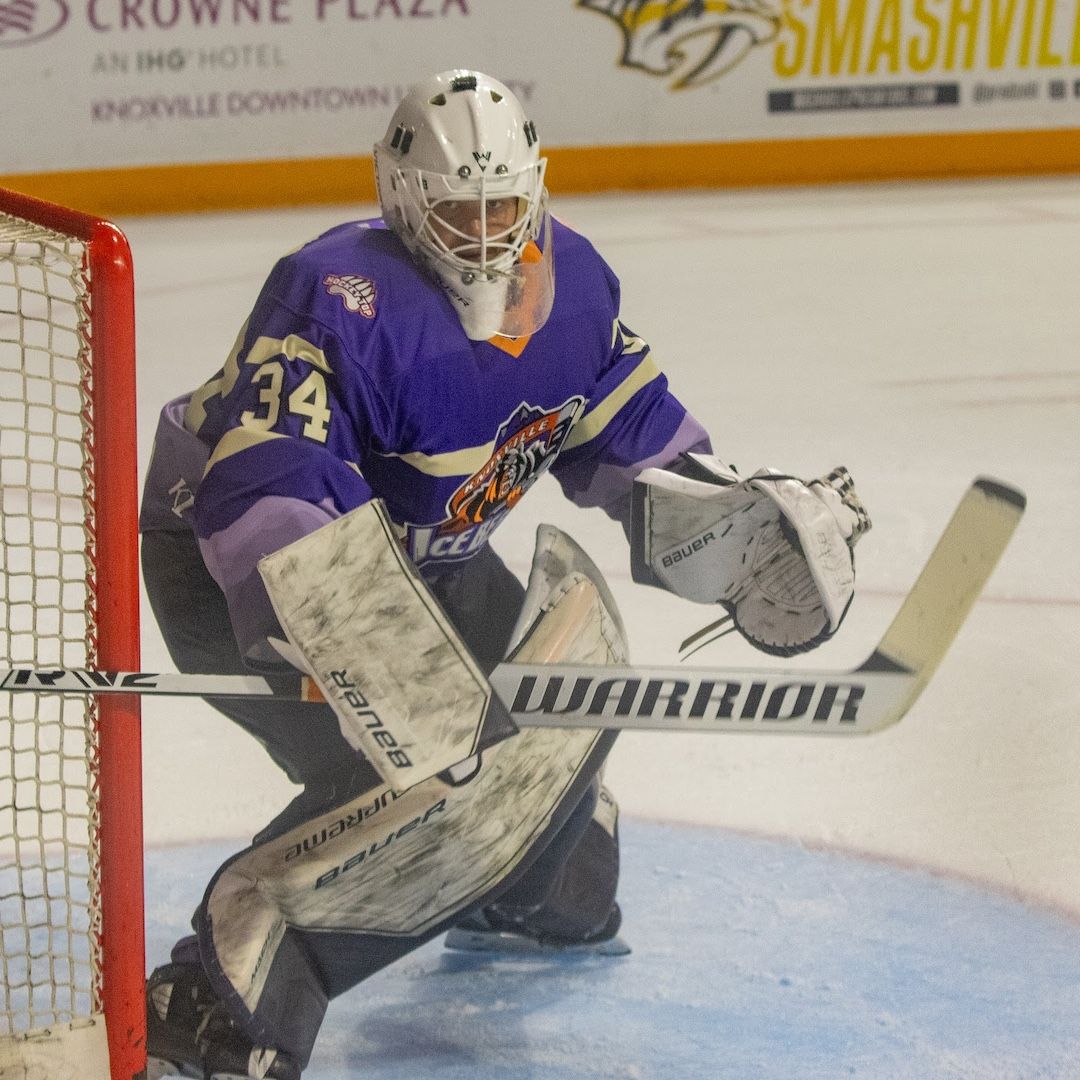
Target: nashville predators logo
{"points": [[525, 447], [691, 41]]}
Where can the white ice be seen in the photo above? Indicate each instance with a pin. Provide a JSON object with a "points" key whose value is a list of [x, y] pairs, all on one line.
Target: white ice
{"points": [[920, 334]]}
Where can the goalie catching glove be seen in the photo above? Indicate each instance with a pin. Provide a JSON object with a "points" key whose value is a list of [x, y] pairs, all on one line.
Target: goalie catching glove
{"points": [[775, 551]]}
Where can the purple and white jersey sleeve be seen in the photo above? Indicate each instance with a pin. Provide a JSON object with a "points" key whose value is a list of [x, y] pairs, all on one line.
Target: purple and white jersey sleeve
{"points": [[287, 422], [633, 422]]}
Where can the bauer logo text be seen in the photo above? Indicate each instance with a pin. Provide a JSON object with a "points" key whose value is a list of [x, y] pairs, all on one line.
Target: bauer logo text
{"points": [[347, 691], [684, 552]]}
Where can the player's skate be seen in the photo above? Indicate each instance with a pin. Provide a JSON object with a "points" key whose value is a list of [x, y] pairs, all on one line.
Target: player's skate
{"points": [[190, 1034], [495, 930]]}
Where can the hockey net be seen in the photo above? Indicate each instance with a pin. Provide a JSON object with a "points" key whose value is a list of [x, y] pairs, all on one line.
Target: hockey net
{"points": [[71, 919]]}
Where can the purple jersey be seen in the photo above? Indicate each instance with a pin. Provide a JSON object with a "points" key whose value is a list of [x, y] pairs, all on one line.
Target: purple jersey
{"points": [[352, 379]]}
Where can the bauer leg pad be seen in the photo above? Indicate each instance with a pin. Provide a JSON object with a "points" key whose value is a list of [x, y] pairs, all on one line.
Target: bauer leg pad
{"points": [[347, 596], [307, 915], [566, 901]]}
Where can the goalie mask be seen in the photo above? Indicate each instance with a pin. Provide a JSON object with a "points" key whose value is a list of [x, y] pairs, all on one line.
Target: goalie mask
{"points": [[461, 182]]}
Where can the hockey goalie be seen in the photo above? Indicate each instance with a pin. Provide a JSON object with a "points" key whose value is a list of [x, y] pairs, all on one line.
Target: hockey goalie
{"points": [[324, 504]]}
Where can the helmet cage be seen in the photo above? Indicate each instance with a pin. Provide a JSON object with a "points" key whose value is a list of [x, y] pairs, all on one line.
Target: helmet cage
{"points": [[423, 199]]}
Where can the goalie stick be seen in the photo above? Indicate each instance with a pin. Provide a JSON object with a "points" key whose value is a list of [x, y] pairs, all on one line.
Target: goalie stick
{"points": [[869, 698]]}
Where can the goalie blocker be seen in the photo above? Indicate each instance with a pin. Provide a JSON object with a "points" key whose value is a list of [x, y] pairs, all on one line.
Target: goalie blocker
{"points": [[775, 551]]}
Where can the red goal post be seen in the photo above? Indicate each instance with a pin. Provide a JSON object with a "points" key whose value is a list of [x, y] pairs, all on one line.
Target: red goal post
{"points": [[71, 852]]}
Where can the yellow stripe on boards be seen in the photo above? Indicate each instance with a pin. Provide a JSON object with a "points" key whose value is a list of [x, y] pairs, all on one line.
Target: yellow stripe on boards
{"points": [[250, 184]]}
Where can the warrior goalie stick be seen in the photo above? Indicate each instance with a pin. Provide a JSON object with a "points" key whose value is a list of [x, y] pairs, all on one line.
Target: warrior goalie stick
{"points": [[869, 698]]}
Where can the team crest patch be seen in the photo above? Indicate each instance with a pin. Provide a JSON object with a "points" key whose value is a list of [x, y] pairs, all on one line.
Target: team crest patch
{"points": [[525, 446], [357, 293]]}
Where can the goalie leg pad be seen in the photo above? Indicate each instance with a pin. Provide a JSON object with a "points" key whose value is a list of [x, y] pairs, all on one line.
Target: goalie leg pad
{"points": [[555, 560], [321, 907], [568, 895], [346, 596]]}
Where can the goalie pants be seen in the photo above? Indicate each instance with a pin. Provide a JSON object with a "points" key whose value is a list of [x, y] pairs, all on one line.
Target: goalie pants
{"points": [[569, 889]]}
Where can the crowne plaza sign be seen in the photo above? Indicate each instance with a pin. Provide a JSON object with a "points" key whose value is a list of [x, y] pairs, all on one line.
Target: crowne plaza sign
{"points": [[26, 21]]}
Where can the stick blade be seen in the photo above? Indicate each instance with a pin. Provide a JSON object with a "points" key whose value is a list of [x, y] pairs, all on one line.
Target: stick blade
{"points": [[951, 582]]}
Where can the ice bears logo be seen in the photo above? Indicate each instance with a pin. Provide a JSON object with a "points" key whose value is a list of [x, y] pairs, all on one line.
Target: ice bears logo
{"points": [[692, 41], [26, 21], [525, 446], [357, 293]]}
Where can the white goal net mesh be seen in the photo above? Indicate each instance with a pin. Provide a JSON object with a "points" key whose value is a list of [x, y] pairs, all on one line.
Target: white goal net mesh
{"points": [[49, 873]]}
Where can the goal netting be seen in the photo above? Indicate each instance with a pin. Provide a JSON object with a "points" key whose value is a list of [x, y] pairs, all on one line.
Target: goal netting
{"points": [[70, 801]]}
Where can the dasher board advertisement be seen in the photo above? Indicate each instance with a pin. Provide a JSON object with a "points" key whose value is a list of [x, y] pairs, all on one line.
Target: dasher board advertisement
{"points": [[91, 84]]}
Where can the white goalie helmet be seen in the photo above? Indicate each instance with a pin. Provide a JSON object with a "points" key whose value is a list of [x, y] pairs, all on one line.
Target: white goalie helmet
{"points": [[461, 182]]}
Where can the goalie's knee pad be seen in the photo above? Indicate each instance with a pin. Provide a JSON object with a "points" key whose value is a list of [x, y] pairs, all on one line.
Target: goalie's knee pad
{"points": [[320, 907], [347, 596], [568, 895]]}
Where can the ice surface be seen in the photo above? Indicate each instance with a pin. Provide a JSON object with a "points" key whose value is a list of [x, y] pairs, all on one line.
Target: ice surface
{"points": [[752, 960], [920, 334]]}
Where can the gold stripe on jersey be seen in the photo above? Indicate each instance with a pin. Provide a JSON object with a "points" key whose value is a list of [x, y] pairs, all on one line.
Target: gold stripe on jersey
{"points": [[237, 439], [452, 463], [598, 418], [195, 416], [471, 459], [292, 347], [630, 343]]}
